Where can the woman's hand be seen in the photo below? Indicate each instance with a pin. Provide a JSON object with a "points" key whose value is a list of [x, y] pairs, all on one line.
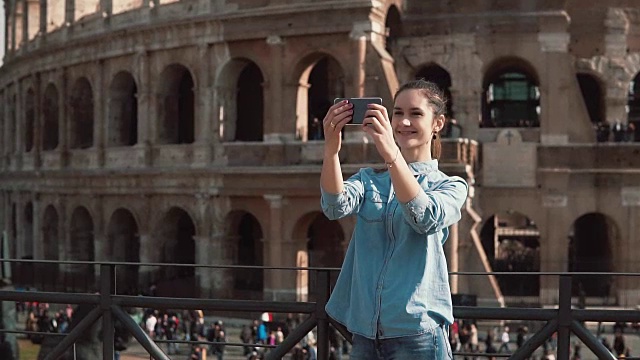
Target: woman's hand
{"points": [[376, 123], [338, 115]]}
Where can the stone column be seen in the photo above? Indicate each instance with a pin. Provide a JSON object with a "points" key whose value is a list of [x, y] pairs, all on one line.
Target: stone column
{"points": [[44, 11], [277, 285], [19, 233], [19, 125], [7, 129], [69, 11], [223, 252], [467, 89], [38, 123], [628, 293], [63, 122], [276, 127], [554, 249], [145, 111], [357, 75], [150, 252], [37, 228], [25, 22], [99, 116]]}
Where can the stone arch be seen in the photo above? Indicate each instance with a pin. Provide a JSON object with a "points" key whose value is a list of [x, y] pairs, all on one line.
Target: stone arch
{"points": [[441, 77], [320, 79], [174, 235], [593, 94], [81, 115], [323, 247], [81, 248], [176, 105], [122, 127], [592, 238], [393, 26], [511, 94], [123, 241], [245, 233], [50, 118], [238, 88], [30, 119], [511, 241]]}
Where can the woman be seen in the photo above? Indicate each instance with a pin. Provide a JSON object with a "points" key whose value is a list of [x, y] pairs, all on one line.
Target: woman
{"points": [[393, 291]]}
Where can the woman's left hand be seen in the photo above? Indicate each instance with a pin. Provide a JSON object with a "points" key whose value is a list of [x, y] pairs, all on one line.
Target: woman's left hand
{"points": [[377, 124]]}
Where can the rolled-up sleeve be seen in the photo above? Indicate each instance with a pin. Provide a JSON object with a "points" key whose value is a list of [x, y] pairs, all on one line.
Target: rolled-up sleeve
{"points": [[433, 210], [337, 206]]}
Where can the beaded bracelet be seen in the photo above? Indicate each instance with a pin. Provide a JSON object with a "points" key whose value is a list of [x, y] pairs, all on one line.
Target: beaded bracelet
{"points": [[390, 164]]}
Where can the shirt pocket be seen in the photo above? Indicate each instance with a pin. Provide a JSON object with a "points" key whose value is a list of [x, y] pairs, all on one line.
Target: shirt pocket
{"points": [[374, 207]]}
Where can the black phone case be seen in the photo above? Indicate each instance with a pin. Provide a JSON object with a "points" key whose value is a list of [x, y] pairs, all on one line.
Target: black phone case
{"points": [[359, 107]]}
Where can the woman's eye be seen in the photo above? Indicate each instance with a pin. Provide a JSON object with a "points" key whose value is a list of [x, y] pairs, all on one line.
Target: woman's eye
{"points": [[416, 114], [397, 113]]}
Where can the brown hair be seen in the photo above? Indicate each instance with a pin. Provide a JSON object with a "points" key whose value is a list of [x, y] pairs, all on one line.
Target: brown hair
{"points": [[437, 101]]}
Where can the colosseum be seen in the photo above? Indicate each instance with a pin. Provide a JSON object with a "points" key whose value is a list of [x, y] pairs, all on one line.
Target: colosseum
{"points": [[184, 131]]}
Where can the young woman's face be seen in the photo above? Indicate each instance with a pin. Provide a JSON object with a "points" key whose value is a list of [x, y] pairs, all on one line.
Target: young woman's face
{"points": [[412, 120]]}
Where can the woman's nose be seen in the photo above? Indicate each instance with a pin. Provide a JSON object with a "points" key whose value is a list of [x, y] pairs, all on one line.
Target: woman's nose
{"points": [[405, 122]]}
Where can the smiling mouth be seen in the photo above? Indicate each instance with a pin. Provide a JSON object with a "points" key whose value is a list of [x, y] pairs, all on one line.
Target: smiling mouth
{"points": [[406, 133]]}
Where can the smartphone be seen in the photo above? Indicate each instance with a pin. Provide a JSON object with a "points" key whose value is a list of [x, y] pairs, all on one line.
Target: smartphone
{"points": [[359, 107]]}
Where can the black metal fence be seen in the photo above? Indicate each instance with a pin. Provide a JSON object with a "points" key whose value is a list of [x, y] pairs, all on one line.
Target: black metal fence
{"points": [[108, 305]]}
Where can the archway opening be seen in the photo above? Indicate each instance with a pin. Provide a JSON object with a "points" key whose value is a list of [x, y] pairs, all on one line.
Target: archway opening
{"points": [[324, 248], [123, 241], [633, 106], [441, 77], [511, 95], [123, 111], [30, 120], [81, 115], [250, 104], [176, 233], [50, 116], [591, 240], [393, 26], [511, 241], [245, 231], [593, 97], [321, 81], [176, 106], [82, 248]]}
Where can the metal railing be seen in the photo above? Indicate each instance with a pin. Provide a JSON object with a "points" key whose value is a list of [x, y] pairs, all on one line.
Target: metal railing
{"points": [[109, 306]]}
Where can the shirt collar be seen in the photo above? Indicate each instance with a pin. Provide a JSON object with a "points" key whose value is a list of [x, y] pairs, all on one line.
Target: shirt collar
{"points": [[423, 167]]}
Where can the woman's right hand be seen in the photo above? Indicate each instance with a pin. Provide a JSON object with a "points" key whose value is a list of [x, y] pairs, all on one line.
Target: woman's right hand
{"points": [[338, 115]]}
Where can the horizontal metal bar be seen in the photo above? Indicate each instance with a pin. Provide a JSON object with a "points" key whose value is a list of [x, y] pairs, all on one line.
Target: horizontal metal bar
{"points": [[51, 297], [491, 313], [5, 331], [249, 267], [214, 304], [605, 315], [205, 342]]}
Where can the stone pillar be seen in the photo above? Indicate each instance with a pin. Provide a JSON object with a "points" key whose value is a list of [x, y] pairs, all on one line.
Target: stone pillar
{"points": [[19, 125], [223, 252], [466, 90], [276, 127], [145, 111], [19, 234], [99, 116], [44, 11], [37, 228], [277, 285], [106, 7], [559, 79], [69, 11], [38, 123], [628, 293], [150, 252], [25, 22], [63, 124], [554, 249], [358, 74], [7, 129], [615, 39]]}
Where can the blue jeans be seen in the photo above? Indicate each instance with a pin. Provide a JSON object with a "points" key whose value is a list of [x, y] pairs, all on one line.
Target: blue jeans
{"points": [[432, 345]]}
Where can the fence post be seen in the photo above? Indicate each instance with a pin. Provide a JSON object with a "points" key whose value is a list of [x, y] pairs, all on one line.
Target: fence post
{"points": [[324, 289], [564, 317], [107, 287]]}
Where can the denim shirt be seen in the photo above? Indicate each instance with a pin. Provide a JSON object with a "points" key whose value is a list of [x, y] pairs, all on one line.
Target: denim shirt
{"points": [[394, 280]]}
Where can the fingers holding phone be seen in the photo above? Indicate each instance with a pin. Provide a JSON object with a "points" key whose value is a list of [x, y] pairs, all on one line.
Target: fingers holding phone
{"points": [[338, 115]]}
